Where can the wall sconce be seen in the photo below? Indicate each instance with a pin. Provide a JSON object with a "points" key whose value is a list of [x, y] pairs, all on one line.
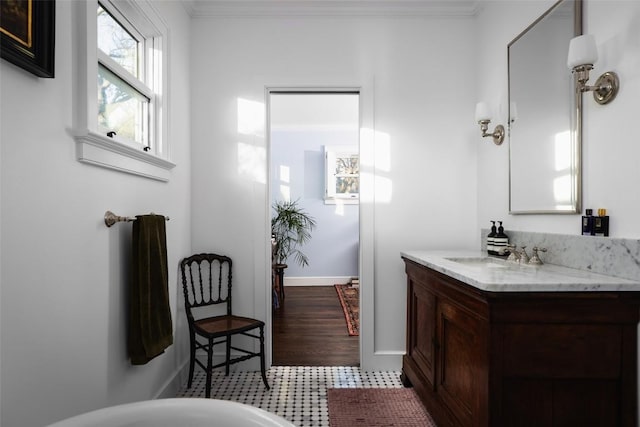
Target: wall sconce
{"points": [[483, 117], [582, 55]]}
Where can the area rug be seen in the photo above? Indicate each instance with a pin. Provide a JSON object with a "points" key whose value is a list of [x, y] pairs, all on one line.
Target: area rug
{"points": [[376, 407], [350, 301]]}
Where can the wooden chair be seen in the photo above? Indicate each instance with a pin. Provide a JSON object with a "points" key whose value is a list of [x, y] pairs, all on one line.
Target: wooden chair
{"points": [[206, 282]]}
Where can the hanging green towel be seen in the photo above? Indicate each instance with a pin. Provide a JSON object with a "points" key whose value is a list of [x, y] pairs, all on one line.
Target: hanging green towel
{"points": [[150, 327]]}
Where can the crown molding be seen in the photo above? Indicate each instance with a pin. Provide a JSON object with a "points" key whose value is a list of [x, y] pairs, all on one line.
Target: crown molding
{"points": [[330, 8]]}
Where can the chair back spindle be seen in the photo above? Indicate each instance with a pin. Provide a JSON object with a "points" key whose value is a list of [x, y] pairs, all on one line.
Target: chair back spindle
{"points": [[206, 281]]}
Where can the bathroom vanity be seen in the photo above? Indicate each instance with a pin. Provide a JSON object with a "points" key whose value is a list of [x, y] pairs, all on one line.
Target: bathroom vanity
{"points": [[491, 343]]}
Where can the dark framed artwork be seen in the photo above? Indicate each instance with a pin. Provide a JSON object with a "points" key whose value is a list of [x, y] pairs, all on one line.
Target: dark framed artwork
{"points": [[27, 34]]}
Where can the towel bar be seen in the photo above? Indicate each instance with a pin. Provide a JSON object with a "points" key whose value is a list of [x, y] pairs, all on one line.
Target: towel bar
{"points": [[110, 218]]}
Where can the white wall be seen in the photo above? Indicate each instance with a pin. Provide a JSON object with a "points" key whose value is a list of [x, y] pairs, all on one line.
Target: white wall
{"points": [[610, 139], [416, 88], [64, 272]]}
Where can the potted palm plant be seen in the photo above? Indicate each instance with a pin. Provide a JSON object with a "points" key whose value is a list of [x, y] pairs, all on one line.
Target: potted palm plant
{"points": [[291, 228]]}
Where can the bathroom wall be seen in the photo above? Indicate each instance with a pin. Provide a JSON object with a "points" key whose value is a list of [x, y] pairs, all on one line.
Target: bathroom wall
{"points": [[63, 272], [610, 148], [420, 160]]}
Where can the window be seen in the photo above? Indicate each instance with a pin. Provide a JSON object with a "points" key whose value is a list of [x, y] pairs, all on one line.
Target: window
{"points": [[342, 174], [124, 98], [122, 104]]}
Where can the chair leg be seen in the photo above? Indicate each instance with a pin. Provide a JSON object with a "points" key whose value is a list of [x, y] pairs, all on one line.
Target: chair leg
{"points": [[207, 390], [262, 363], [228, 355], [192, 357]]}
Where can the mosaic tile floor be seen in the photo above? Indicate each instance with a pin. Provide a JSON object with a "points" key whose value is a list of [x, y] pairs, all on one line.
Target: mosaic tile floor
{"points": [[298, 393]]}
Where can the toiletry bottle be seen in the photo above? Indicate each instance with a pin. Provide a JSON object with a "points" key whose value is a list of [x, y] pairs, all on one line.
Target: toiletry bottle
{"points": [[490, 239], [601, 223], [501, 241], [587, 223]]}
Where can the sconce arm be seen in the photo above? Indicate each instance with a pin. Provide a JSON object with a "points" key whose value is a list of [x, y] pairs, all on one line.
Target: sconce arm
{"points": [[606, 87], [497, 134]]}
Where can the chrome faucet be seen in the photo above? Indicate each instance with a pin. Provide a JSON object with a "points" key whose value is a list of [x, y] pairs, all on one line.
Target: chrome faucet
{"points": [[535, 259], [521, 256], [514, 255]]}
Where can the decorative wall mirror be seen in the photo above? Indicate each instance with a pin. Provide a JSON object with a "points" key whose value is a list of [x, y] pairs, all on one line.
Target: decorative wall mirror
{"points": [[545, 116]]}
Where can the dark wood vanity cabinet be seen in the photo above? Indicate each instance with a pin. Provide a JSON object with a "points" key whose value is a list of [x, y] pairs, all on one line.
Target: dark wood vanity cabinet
{"points": [[510, 359]]}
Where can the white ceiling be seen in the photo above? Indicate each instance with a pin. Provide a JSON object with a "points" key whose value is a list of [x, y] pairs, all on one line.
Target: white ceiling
{"points": [[228, 8]]}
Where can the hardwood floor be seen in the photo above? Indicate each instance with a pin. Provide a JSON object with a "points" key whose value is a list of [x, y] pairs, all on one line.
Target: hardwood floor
{"points": [[309, 329]]}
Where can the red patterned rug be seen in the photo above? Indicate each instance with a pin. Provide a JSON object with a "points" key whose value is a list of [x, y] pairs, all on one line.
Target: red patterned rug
{"points": [[376, 407], [350, 301]]}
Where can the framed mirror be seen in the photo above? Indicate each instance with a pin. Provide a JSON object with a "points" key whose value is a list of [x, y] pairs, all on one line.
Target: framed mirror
{"points": [[545, 115]]}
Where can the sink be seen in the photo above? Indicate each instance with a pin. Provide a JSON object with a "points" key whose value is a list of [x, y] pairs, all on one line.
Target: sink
{"points": [[480, 262]]}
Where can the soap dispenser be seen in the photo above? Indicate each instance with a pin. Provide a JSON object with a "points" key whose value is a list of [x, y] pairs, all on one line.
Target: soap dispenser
{"points": [[501, 241], [491, 239], [587, 223], [601, 223]]}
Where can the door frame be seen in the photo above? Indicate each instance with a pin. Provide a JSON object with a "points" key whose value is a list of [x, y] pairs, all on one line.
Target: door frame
{"points": [[365, 247]]}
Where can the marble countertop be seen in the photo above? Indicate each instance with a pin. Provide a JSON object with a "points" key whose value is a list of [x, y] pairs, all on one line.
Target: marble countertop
{"points": [[491, 274]]}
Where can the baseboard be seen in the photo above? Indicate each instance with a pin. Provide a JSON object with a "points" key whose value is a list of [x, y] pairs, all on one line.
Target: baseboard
{"points": [[382, 361], [316, 281], [173, 384]]}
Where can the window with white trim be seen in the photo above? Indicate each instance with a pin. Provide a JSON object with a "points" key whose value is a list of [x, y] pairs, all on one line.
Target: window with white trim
{"points": [[342, 174], [122, 120]]}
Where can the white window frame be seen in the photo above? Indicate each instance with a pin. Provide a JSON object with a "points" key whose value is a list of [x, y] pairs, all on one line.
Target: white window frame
{"points": [[93, 146], [331, 153]]}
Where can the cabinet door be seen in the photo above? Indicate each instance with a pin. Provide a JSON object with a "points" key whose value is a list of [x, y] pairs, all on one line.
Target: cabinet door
{"points": [[572, 371], [462, 363], [422, 317]]}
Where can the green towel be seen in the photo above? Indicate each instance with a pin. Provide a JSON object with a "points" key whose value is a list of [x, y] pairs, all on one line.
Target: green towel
{"points": [[150, 327]]}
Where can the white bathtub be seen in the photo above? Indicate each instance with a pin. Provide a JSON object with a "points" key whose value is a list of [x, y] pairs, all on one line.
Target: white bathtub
{"points": [[179, 412]]}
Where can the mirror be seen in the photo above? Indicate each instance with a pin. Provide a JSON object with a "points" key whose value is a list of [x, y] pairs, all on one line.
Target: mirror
{"points": [[545, 115]]}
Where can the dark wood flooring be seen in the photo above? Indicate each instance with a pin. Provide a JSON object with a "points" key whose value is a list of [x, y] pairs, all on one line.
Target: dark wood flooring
{"points": [[309, 329]]}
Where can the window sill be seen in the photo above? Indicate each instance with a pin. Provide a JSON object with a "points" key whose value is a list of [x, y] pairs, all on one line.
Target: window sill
{"points": [[342, 201], [99, 150]]}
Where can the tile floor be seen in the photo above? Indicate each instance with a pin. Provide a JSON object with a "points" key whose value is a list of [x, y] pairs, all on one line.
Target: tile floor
{"points": [[298, 393]]}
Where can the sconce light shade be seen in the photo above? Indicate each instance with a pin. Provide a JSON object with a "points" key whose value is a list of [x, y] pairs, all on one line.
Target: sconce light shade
{"points": [[582, 55], [483, 117], [582, 51], [483, 112]]}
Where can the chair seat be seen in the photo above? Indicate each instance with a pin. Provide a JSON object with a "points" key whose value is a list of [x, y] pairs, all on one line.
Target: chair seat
{"points": [[225, 325]]}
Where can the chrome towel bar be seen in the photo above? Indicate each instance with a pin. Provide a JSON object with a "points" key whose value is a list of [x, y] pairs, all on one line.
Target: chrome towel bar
{"points": [[110, 218]]}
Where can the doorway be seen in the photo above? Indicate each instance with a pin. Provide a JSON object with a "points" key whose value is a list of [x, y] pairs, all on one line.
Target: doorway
{"points": [[314, 162]]}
